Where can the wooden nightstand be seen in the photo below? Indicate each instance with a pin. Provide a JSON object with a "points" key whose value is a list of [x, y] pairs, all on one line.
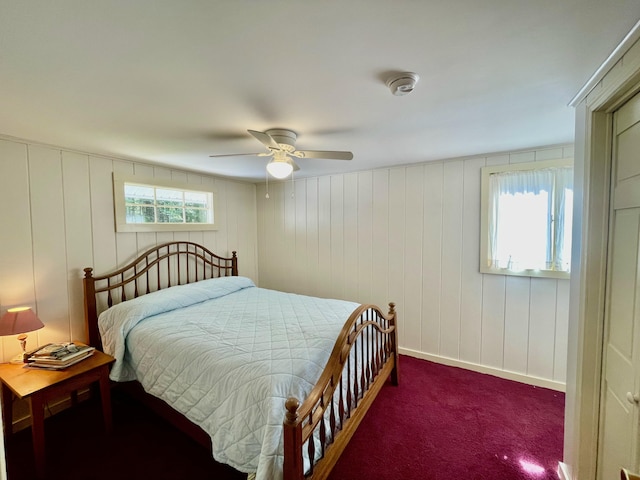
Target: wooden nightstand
{"points": [[41, 386]]}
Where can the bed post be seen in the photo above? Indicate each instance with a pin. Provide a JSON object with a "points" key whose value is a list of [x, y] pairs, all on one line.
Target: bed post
{"points": [[292, 469], [90, 311], [234, 264], [394, 342]]}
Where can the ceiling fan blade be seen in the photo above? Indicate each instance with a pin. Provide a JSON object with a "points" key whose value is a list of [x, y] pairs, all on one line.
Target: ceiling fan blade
{"points": [[235, 155], [326, 155], [295, 165], [265, 139]]}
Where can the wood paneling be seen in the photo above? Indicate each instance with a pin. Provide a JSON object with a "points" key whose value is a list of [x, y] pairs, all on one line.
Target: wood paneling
{"points": [[471, 282], [365, 236], [411, 235], [312, 213], [432, 258], [396, 242], [324, 236], [414, 218], [451, 277], [56, 208], [350, 236], [301, 251], [49, 244], [380, 248], [75, 176], [493, 321], [562, 333], [16, 255], [405, 234], [516, 323], [336, 257]]}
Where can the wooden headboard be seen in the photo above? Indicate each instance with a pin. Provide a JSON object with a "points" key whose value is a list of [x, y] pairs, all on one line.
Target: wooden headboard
{"points": [[163, 266]]}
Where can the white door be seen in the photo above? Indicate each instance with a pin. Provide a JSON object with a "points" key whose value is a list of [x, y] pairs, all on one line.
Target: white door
{"points": [[618, 442]]}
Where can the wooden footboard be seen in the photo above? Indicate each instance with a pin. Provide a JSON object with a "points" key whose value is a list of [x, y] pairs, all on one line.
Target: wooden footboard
{"points": [[364, 357]]}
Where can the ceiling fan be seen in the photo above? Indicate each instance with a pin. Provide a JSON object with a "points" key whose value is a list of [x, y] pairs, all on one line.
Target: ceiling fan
{"points": [[281, 145]]}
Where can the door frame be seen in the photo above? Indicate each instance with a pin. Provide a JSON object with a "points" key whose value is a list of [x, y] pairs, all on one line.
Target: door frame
{"points": [[593, 149]]}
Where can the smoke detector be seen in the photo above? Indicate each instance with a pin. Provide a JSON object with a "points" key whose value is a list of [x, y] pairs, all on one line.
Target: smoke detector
{"points": [[402, 83]]}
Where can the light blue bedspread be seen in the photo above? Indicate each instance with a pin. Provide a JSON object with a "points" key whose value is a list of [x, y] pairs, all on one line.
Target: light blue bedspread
{"points": [[226, 354]]}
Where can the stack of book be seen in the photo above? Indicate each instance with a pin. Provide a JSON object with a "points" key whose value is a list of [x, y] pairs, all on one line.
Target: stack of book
{"points": [[56, 356]]}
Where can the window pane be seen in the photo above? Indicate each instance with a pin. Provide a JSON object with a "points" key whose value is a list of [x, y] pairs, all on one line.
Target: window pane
{"points": [[138, 194], [196, 199], [193, 215], [169, 197], [523, 245], [138, 214], [170, 215]]}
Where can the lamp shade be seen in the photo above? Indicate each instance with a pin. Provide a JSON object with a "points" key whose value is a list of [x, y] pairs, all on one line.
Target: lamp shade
{"points": [[280, 168], [19, 320]]}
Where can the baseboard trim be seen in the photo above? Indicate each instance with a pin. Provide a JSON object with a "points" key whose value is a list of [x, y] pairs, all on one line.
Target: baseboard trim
{"points": [[564, 471], [496, 372]]}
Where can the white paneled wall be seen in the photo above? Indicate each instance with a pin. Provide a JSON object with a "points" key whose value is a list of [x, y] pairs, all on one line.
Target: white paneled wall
{"points": [[56, 218], [411, 235], [406, 234]]}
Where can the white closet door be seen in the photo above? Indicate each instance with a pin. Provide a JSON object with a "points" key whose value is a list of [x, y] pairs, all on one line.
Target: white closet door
{"points": [[618, 443]]}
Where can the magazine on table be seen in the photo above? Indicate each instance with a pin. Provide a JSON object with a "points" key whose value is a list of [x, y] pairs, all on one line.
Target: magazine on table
{"points": [[56, 356]]}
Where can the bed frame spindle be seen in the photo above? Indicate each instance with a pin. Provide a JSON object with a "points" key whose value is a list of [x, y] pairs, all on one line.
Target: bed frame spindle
{"points": [[375, 333], [156, 263]]}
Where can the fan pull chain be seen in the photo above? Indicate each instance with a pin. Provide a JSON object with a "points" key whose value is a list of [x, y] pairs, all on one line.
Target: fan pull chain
{"points": [[293, 186]]}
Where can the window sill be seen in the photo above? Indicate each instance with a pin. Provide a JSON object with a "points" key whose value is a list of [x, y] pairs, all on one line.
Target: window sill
{"points": [[526, 273], [166, 227]]}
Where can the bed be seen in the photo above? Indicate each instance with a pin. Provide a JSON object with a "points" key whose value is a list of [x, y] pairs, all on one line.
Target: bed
{"points": [[274, 383]]}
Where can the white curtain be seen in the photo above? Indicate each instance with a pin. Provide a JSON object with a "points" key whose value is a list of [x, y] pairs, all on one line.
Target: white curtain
{"points": [[564, 218], [528, 214]]}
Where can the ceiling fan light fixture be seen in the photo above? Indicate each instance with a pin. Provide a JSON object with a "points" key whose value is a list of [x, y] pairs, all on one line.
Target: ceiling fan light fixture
{"points": [[281, 145], [280, 167], [286, 139]]}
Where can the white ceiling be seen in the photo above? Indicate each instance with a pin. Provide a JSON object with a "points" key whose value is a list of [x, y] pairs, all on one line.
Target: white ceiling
{"points": [[173, 82]]}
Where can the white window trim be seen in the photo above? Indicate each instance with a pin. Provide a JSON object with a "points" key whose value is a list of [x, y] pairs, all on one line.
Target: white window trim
{"points": [[121, 224], [484, 217]]}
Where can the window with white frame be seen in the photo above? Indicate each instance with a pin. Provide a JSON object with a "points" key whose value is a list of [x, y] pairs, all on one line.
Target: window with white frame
{"points": [[145, 205], [526, 219]]}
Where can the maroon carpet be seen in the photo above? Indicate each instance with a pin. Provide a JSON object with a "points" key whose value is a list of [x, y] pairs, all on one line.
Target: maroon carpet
{"points": [[449, 423], [440, 423]]}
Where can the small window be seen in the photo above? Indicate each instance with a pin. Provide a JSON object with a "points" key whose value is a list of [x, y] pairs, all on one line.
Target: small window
{"points": [[526, 219], [151, 205]]}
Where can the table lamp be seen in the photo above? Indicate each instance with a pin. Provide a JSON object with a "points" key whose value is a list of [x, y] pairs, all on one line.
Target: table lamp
{"points": [[19, 321]]}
